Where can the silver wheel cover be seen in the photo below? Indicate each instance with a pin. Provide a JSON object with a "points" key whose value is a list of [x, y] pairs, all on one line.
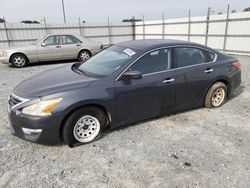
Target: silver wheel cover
{"points": [[86, 129], [19, 61], [84, 56]]}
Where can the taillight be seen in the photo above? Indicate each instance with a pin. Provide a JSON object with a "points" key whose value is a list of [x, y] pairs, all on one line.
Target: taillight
{"points": [[236, 64]]}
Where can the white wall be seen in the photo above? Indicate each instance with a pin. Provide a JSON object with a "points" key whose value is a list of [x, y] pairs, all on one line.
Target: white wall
{"points": [[179, 31]]}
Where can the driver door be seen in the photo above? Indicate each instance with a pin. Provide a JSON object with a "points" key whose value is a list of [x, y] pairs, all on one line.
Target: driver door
{"points": [[151, 95], [50, 49]]}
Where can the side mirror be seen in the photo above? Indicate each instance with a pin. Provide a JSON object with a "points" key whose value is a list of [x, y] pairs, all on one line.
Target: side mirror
{"points": [[136, 75], [43, 44]]}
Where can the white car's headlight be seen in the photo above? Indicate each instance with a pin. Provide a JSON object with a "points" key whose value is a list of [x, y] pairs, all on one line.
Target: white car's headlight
{"points": [[3, 53], [42, 108]]}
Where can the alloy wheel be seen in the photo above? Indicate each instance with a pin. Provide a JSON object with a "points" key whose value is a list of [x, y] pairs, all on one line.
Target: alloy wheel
{"points": [[84, 55], [19, 61]]}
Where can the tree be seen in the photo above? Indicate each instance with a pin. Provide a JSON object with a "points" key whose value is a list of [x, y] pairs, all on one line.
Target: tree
{"points": [[2, 20], [133, 19], [246, 9], [30, 22]]}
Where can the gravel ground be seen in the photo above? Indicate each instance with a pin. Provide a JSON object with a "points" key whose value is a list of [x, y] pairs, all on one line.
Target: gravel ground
{"points": [[197, 148]]}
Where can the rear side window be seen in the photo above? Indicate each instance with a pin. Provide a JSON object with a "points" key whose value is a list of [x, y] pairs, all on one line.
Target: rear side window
{"points": [[69, 39], [186, 56], [155, 61]]}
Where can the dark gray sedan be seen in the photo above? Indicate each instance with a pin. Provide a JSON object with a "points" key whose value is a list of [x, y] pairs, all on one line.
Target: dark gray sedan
{"points": [[125, 83]]}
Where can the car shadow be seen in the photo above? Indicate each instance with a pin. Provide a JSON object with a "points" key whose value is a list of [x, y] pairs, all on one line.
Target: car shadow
{"points": [[45, 63]]}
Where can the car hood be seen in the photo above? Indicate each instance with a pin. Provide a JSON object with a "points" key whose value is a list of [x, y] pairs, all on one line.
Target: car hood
{"points": [[51, 82]]}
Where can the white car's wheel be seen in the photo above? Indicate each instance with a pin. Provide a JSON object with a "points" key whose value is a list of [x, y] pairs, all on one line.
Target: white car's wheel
{"points": [[84, 55], [18, 60]]}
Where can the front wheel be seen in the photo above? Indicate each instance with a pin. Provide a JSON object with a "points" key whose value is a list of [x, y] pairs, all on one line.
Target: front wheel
{"points": [[84, 126], [18, 60], [216, 95], [83, 55]]}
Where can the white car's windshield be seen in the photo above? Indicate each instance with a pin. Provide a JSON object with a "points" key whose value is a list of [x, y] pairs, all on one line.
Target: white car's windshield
{"points": [[38, 41], [107, 61]]}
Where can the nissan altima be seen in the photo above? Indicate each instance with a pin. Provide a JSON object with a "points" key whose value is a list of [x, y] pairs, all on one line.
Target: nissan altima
{"points": [[125, 83], [51, 48]]}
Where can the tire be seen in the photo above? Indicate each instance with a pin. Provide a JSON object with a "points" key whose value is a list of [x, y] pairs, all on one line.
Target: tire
{"points": [[216, 95], [79, 125], [18, 60], [83, 55]]}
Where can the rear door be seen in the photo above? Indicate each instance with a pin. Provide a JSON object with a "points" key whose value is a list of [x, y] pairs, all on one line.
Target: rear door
{"points": [[195, 68], [70, 46], [51, 50], [150, 95]]}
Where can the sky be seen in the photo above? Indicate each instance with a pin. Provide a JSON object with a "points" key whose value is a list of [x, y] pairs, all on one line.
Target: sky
{"points": [[97, 11]]}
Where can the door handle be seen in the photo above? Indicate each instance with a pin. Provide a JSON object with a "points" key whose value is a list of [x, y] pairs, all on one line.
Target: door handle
{"points": [[58, 46], [169, 80], [209, 70], [78, 45]]}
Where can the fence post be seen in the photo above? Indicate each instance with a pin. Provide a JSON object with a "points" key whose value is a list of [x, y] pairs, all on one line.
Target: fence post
{"points": [[45, 25], [80, 30], [109, 32], [189, 25], [143, 29], [163, 26], [226, 29], [6, 31], [207, 27], [133, 29]]}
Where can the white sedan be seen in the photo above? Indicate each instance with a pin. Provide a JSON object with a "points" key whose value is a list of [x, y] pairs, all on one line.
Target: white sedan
{"points": [[51, 48]]}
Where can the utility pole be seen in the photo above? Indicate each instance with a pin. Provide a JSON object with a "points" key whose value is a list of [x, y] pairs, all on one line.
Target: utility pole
{"points": [[64, 17]]}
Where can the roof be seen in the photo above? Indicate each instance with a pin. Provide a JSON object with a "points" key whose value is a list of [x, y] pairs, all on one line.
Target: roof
{"points": [[149, 44]]}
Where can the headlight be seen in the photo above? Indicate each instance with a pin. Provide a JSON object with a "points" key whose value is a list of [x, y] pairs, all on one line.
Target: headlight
{"points": [[3, 53], [42, 108]]}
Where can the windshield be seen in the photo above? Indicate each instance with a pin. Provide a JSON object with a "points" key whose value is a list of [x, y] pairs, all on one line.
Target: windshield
{"points": [[107, 62], [38, 40]]}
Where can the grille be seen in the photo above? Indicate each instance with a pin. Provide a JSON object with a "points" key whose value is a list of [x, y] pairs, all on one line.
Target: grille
{"points": [[13, 101]]}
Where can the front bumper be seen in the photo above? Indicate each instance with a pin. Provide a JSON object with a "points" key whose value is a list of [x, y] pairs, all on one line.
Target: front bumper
{"points": [[44, 130], [4, 59]]}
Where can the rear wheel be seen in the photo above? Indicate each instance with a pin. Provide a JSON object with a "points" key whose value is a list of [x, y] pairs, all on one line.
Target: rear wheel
{"points": [[18, 60], [84, 126], [216, 95], [83, 55]]}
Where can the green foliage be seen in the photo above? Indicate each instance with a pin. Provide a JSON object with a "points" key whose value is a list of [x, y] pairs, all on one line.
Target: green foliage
{"points": [[246, 9], [133, 19], [30, 22], [2, 20]]}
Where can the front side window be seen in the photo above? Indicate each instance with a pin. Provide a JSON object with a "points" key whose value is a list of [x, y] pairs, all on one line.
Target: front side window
{"points": [[186, 56], [52, 40], [155, 61], [107, 61], [69, 39]]}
